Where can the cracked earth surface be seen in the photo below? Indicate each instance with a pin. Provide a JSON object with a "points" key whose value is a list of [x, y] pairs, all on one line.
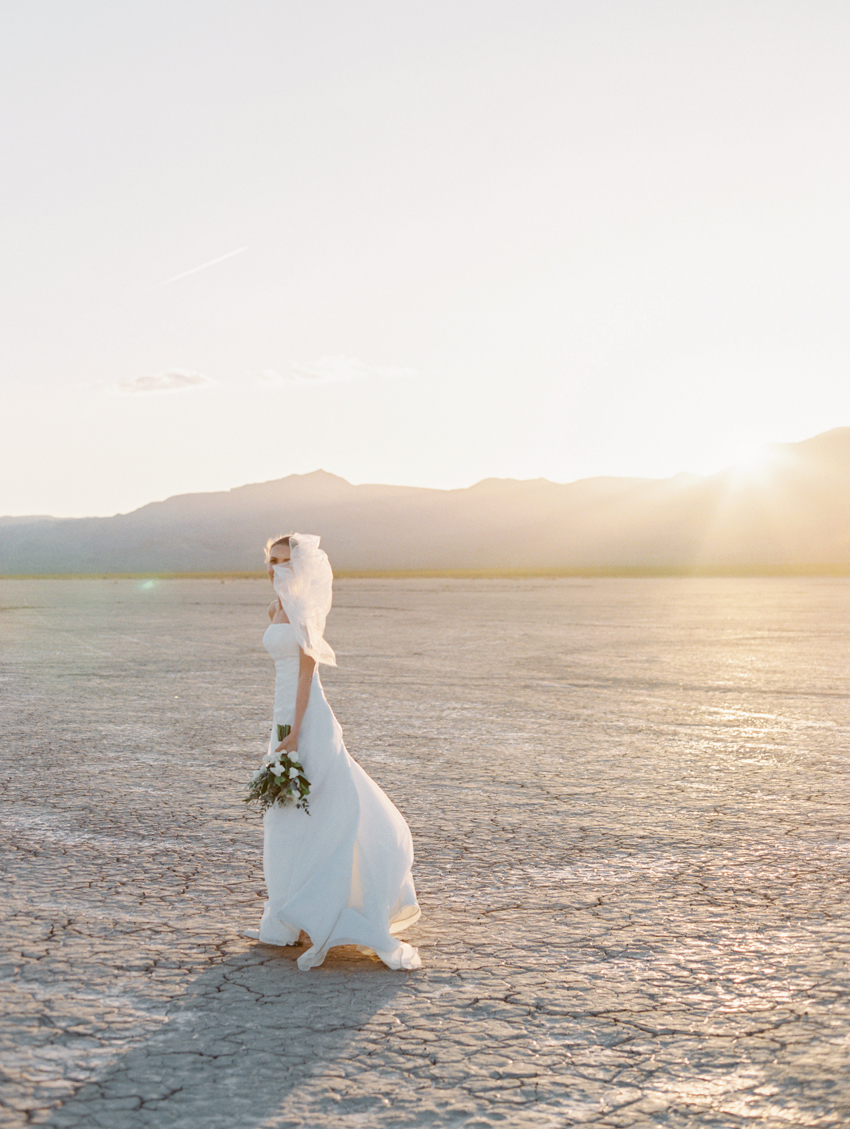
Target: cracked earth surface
{"points": [[629, 802]]}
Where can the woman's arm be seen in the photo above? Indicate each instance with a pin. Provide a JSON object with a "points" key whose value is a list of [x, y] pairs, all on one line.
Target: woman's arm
{"points": [[306, 666]]}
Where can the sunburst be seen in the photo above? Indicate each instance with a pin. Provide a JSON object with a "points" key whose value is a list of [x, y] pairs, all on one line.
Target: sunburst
{"points": [[751, 455]]}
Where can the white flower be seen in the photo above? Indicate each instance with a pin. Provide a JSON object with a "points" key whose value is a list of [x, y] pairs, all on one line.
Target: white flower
{"points": [[276, 768], [294, 772], [257, 774]]}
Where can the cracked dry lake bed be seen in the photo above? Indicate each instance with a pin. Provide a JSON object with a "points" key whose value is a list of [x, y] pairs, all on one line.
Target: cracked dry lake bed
{"points": [[629, 803]]}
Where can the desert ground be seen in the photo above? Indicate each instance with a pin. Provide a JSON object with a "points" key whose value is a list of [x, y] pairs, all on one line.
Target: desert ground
{"points": [[629, 802]]}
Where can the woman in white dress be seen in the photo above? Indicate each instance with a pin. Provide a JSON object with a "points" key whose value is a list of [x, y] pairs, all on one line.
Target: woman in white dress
{"points": [[342, 873]]}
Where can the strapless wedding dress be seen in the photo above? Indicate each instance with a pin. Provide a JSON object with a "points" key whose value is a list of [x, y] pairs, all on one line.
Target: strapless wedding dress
{"points": [[341, 873]]}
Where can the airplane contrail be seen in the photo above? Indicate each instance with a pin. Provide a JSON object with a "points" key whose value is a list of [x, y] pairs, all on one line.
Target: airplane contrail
{"points": [[204, 266]]}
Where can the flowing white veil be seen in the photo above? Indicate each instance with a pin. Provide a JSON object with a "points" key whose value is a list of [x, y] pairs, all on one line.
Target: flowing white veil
{"points": [[304, 587]]}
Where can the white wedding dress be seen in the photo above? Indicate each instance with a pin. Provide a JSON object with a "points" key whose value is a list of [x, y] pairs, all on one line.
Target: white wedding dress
{"points": [[341, 873]]}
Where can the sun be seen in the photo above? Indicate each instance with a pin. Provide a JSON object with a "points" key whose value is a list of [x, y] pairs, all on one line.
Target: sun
{"points": [[756, 462], [751, 455]]}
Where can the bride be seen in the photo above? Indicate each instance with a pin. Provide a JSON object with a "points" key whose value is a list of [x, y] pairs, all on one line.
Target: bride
{"points": [[342, 873]]}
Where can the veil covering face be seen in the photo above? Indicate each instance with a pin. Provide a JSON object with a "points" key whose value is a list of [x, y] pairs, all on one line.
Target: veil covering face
{"points": [[304, 587]]}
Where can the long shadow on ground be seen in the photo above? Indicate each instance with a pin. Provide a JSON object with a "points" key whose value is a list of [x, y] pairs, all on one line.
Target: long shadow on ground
{"points": [[245, 1034]]}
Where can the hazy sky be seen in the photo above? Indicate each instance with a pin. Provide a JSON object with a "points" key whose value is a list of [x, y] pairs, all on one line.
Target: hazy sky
{"points": [[457, 239]]}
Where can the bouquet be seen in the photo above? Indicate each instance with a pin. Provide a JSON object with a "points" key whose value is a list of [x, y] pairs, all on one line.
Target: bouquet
{"points": [[279, 780]]}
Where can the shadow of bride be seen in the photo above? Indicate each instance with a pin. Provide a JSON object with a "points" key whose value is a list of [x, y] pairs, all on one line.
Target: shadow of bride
{"points": [[244, 1035]]}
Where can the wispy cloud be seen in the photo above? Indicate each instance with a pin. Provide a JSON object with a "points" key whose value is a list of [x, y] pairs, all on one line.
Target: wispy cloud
{"points": [[164, 382], [328, 369], [203, 266]]}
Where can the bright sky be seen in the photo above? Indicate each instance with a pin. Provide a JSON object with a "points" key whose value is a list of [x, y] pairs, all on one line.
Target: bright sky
{"points": [[449, 240]]}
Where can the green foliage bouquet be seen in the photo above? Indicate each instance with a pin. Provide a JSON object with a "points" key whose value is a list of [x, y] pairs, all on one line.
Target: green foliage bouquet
{"points": [[279, 780]]}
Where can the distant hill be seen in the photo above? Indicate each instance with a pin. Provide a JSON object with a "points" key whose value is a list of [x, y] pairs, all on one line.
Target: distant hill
{"points": [[792, 512]]}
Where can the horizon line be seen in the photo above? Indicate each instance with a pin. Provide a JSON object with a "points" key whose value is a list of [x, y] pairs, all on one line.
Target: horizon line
{"points": [[813, 570], [407, 486]]}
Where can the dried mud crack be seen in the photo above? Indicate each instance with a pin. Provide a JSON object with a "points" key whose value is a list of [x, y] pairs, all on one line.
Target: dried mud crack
{"points": [[629, 802]]}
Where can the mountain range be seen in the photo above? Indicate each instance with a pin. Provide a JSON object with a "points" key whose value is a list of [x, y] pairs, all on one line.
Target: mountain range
{"points": [[789, 512]]}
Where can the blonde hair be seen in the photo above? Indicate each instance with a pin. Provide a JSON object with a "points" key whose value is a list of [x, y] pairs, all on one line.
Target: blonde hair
{"points": [[284, 539]]}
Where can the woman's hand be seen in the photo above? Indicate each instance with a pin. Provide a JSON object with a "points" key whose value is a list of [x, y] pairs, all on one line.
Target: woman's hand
{"points": [[288, 745]]}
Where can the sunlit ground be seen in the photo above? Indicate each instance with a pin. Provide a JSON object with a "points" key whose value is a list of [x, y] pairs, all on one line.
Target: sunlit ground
{"points": [[629, 802]]}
